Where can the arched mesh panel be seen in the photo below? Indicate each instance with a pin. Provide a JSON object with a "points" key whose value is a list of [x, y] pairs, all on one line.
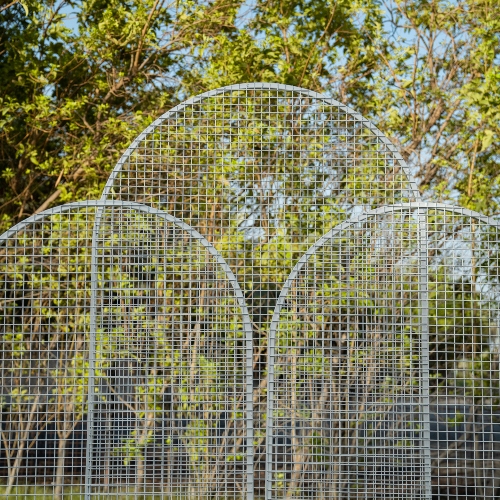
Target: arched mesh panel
{"points": [[262, 171], [131, 367], [464, 306], [345, 400], [384, 366], [124, 321], [259, 164]]}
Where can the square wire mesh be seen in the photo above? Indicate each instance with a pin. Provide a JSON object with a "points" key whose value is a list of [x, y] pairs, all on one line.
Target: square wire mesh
{"points": [[126, 362], [262, 171], [384, 377], [464, 307], [347, 391], [45, 305], [365, 366]]}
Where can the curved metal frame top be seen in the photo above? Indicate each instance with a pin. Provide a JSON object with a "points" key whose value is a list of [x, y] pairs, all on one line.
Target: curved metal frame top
{"points": [[260, 86], [360, 218], [388, 209], [102, 204], [60, 209]]}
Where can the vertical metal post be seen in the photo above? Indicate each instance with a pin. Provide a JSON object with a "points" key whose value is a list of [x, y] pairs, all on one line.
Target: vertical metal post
{"points": [[92, 354], [423, 296], [249, 408], [271, 342]]}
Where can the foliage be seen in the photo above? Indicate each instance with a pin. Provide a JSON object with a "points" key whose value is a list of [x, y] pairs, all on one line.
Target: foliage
{"points": [[436, 93], [81, 79], [76, 88]]}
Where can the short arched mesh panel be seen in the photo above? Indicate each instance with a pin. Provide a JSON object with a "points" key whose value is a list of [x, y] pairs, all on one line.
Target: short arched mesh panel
{"points": [[464, 365], [345, 414], [127, 359], [384, 375]]}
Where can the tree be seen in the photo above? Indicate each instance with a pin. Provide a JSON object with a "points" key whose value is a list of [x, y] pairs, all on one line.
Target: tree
{"points": [[76, 88], [425, 70], [436, 94], [81, 79]]}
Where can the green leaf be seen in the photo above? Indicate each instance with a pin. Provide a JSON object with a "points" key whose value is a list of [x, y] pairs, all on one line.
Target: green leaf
{"points": [[487, 139]]}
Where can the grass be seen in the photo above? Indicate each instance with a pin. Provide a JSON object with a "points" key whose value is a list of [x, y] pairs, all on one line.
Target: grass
{"points": [[76, 493]]}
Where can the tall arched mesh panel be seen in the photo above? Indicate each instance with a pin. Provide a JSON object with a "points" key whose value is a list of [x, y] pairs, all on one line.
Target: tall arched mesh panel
{"points": [[262, 171], [128, 348], [384, 361]]}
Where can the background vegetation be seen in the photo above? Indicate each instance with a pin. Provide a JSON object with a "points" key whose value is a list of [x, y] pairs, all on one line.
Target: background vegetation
{"points": [[81, 79]]}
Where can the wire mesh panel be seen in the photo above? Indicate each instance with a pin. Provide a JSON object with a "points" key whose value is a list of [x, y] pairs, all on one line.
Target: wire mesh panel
{"points": [[171, 364], [347, 399], [384, 361], [464, 321], [366, 366], [126, 361], [45, 307], [262, 171]]}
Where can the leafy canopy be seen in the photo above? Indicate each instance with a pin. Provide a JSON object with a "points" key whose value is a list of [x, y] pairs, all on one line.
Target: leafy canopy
{"points": [[80, 79]]}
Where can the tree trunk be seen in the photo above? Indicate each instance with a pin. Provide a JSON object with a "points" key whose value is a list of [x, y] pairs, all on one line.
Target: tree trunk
{"points": [[14, 470], [59, 475], [23, 437]]}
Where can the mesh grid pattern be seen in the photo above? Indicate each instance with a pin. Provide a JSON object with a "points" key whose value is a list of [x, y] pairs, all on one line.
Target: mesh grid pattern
{"points": [[163, 383], [464, 387], [262, 171], [384, 361], [346, 376], [251, 161], [260, 306]]}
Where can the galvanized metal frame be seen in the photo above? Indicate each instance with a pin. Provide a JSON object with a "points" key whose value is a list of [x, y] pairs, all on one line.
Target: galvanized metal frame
{"points": [[250, 149], [108, 189], [244, 230], [276, 434], [100, 219]]}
